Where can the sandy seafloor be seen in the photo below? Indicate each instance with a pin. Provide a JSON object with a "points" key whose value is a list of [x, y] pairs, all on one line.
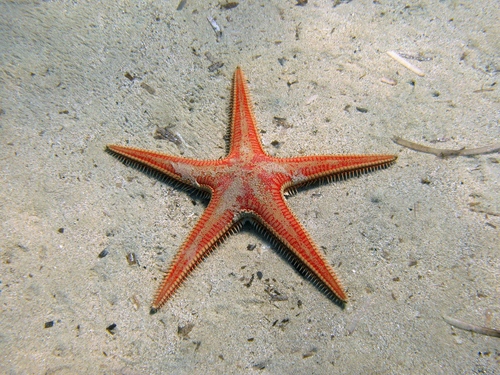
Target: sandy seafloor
{"points": [[411, 243]]}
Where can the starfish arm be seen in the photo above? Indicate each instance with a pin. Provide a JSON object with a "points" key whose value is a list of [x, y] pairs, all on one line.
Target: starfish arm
{"points": [[192, 172], [279, 220], [212, 227], [302, 170], [245, 139]]}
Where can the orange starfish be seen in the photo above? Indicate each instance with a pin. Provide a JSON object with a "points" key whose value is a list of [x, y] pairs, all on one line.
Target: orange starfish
{"points": [[249, 185]]}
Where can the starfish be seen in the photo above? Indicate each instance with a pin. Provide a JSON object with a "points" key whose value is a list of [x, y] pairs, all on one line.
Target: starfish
{"points": [[249, 185]]}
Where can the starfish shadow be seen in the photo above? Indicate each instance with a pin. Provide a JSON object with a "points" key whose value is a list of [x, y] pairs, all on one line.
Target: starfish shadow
{"points": [[254, 227]]}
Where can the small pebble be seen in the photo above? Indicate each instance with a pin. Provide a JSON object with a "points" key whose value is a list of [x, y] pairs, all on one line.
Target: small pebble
{"points": [[131, 259], [111, 328]]}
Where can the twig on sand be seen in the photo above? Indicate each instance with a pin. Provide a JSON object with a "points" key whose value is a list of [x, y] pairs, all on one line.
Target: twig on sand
{"points": [[471, 327], [443, 152]]}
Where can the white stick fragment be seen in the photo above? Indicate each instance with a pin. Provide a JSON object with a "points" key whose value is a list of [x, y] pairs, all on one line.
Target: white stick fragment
{"points": [[388, 81], [405, 63], [218, 31]]}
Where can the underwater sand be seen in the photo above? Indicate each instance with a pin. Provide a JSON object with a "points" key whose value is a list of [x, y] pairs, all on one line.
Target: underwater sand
{"points": [[410, 243]]}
